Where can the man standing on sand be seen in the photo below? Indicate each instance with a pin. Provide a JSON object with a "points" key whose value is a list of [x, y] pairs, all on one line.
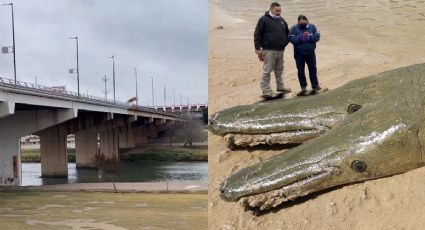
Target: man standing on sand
{"points": [[304, 37], [270, 40]]}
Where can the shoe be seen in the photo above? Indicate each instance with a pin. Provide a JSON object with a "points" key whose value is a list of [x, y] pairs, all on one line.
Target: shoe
{"points": [[317, 90], [303, 92], [285, 90], [267, 97]]}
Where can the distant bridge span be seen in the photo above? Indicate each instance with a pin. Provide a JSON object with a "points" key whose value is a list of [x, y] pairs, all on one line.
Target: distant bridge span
{"points": [[182, 108]]}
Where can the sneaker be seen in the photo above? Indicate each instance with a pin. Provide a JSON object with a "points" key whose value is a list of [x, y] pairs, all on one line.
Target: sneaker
{"points": [[303, 92], [285, 90]]}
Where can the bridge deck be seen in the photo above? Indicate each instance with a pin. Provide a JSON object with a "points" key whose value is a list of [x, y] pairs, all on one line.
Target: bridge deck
{"points": [[8, 85]]}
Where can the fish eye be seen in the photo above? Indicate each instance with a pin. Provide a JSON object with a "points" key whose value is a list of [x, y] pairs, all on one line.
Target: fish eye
{"points": [[353, 108], [359, 166]]}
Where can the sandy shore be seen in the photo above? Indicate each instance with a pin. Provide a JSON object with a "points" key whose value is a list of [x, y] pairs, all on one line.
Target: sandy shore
{"points": [[41, 210], [154, 187], [359, 38]]}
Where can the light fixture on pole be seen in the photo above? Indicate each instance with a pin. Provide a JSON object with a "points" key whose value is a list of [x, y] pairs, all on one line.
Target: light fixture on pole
{"points": [[6, 49], [78, 66], [113, 74]]}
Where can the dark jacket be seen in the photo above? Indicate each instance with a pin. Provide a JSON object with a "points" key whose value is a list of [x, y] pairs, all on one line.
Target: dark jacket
{"points": [[304, 47], [271, 33]]}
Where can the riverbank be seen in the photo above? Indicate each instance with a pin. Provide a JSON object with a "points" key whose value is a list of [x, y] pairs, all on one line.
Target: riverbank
{"points": [[200, 187], [163, 153], [30, 155], [160, 153], [101, 210]]}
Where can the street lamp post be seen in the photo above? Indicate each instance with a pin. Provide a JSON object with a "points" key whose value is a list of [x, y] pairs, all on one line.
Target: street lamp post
{"points": [[106, 88], [13, 35], [78, 66], [137, 95], [174, 97], [153, 95], [113, 74], [165, 97]]}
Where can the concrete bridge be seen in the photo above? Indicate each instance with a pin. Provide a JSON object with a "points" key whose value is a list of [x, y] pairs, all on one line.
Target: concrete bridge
{"points": [[192, 108], [99, 125]]}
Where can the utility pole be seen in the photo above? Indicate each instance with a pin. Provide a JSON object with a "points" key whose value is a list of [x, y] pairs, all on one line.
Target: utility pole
{"points": [[181, 99], [153, 95], [36, 81], [174, 97], [165, 97], [104, 79], [78, 66], [137, 96], [113, 74], [187, 101], [13, 35]]}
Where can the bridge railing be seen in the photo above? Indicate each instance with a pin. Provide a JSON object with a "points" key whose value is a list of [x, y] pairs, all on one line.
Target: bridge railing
{"points": [[74, 95], [57, 91]]}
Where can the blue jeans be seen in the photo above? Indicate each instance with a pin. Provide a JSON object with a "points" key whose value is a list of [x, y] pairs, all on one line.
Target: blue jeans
{"points": [[310, 60]]}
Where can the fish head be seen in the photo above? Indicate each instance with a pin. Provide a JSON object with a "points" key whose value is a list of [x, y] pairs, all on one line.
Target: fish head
{"points": [[379, 141]]}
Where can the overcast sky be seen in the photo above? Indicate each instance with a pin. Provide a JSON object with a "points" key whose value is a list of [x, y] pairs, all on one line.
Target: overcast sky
{"points": [[163, 38]]}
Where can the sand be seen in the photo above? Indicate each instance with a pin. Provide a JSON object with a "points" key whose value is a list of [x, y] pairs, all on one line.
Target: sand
{"points": [[45, 210], [154, 187], [359, 38]]}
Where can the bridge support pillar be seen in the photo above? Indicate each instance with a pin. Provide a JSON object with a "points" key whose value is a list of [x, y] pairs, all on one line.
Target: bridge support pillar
{"points": [[10, 160], [54, 161], [140, 137], [126, 137], [109, 143], [86, 147], [144, 134]]}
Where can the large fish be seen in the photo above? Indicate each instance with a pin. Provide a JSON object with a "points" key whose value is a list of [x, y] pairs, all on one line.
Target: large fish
{"points": [[369, 128]]}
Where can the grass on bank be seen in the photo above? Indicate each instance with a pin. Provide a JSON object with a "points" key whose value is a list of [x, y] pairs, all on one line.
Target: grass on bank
{"points": [[158, 154], [169, 154], [101, 210], [33, 155]]}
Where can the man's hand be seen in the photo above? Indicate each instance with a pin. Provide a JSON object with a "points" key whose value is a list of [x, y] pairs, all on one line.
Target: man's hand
{"points": [[260, 55]]}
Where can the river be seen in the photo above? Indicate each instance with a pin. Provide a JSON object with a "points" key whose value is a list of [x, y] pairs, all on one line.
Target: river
{"points": [[140, 171]]}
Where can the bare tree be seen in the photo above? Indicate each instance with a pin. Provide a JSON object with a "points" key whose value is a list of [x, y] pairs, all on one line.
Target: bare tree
{"points": [[109, 166], [191, 130]]}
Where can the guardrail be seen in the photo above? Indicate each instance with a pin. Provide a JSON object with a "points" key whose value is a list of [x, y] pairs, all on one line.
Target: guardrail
{"points": [[182, 108], [52, 91]]}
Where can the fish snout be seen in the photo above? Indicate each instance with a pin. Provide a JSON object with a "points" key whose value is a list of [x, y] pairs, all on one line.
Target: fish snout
{"points": [[295, 185], [282, 180], [216, 124], [224, 192]]}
